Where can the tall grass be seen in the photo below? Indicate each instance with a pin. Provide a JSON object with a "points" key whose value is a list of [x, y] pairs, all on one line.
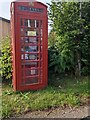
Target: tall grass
{"points": [[60, 92]]}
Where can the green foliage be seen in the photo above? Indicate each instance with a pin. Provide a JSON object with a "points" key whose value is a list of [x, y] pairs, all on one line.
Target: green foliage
{"points": [[61, 57], [5, 59], [54, 58], [60, 92], [70, 23]]}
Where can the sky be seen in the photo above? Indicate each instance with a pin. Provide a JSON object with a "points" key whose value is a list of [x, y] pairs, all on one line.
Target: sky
{"points": [[5, 7]]}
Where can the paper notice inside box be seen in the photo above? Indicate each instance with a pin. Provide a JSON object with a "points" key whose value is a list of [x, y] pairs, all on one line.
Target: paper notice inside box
{"points": [[31, 33], [32, 72]]}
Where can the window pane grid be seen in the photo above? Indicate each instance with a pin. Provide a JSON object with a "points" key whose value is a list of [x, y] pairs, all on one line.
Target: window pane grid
{"points": [[31, 50]]}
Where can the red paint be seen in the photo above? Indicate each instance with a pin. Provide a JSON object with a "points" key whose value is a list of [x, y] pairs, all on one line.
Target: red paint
{"points": [[29, 36]]}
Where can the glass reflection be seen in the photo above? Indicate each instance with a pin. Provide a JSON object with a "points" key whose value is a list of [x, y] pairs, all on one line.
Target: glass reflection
{"points": [[31, 57], [31, 23], [26, 22], [29, 49], [22, 56], [31, 80], [31, 72], [33, 40], [22, 31]]}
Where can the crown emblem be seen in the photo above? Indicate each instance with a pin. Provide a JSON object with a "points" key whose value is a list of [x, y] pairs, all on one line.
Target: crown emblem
{"points": [[31, 3]]}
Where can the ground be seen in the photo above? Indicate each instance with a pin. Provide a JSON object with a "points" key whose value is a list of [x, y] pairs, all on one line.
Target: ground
{"points": [[79, 112], [63, 98]]}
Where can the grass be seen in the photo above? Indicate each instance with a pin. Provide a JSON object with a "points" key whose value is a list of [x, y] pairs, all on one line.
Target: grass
{"points": [[63, 92]]}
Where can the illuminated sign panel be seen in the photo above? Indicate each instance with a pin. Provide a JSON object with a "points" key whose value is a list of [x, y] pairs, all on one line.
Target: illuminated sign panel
{"points": [[30, 9]]}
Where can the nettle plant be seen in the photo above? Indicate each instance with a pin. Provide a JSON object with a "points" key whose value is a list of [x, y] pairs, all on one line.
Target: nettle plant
{"points": [[5, 59]]}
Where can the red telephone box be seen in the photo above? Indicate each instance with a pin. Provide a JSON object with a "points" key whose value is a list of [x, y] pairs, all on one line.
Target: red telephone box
{"points": [[29, 34]]}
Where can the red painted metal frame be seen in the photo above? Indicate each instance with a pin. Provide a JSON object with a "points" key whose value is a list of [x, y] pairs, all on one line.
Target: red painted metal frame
{"points": [[16, 15]]}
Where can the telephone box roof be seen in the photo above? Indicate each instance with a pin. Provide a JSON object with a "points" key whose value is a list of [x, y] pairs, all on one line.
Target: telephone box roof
{"points": [[30, 1]]}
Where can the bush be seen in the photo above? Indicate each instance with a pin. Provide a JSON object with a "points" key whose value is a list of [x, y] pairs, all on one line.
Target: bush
{"points": [[5, 59], [61, 60]]}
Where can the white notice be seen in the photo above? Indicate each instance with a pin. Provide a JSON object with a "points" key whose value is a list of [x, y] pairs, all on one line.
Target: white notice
{"points": [[32, 72]]}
